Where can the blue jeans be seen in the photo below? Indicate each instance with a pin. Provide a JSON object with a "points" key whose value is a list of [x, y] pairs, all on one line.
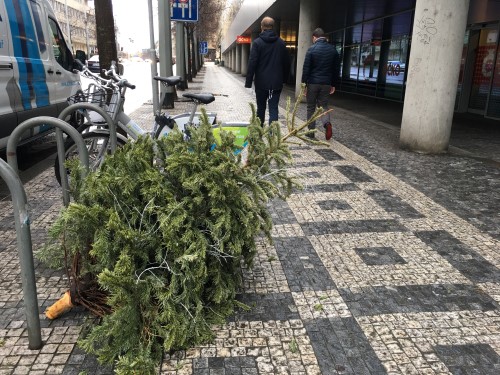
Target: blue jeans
{"points": [[264, 98]]}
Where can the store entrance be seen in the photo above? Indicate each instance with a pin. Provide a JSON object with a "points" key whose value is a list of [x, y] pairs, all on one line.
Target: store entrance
{"points": [[484, 43]]}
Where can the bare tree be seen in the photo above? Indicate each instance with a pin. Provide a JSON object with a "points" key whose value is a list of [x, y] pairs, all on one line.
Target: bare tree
{"points": [[206, 29], [209, 17]]}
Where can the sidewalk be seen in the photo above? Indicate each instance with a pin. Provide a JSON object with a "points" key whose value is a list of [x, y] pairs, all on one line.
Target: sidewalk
{"points": [[386, 263]]}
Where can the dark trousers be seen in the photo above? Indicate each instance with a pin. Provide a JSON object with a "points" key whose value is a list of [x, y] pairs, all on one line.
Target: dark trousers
{"points": [[264, 98], [317, 96]]}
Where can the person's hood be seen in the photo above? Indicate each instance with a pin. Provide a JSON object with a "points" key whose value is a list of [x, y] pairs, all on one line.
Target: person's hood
{"points": [[268, 36]]}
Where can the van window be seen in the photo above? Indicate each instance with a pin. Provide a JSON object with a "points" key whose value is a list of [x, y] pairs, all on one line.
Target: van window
{"points": [[37, 14], [61, 51]]}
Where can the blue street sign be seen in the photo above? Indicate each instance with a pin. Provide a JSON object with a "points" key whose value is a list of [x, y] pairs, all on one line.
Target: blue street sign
{"points": [[184, 10], [203, 48]]}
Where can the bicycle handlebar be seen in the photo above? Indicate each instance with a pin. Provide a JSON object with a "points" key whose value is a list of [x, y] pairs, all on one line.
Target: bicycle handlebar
{"points": [[115, 77], [84, 70]]}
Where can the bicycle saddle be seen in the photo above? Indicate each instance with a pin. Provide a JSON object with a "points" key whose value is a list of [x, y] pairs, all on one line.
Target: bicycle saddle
{"points": [[170, 81], [202, 98]]}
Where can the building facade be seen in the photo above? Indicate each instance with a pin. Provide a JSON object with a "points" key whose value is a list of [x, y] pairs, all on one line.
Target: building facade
{"points": [[432, 56], [77, 20]]}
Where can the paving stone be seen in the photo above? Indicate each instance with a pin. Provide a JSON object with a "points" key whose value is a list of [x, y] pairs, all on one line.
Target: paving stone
{"points": [[354, 226], [328, 154], [464, 259], [301, 265], [418, 298], [331, 338], [392, 203], [354, 174], [386, 262], [373, 256], [281, 213], [264, 307]]}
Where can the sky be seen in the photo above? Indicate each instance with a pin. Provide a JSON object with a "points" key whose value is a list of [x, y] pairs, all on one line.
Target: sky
{"points": [[132, 19]]}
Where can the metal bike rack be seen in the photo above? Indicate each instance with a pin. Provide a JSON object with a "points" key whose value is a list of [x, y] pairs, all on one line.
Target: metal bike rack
{"points": [[9, 173], [60, 142], [22, 221], [111, 124], [60, 126]]}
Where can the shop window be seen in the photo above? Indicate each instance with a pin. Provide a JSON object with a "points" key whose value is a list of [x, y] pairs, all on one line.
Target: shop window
{"points": [[395, 66], [494, 102]]}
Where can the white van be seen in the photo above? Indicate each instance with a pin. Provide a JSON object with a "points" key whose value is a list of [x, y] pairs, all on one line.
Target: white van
{"points": [[36, 66]]}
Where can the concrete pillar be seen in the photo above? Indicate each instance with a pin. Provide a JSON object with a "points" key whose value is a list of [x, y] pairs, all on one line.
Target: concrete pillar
{"points": [[233, 65], [238, 59], [438, 31], [309, 16], [245, 54]]}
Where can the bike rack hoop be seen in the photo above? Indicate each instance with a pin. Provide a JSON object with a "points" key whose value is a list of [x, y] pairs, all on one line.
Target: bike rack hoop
{"points": [[24, 248], [60, 125]]}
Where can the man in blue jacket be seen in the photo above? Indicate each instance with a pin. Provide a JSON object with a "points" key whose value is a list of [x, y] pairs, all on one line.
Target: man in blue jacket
{"points": [[269, 62], [320, 74]]}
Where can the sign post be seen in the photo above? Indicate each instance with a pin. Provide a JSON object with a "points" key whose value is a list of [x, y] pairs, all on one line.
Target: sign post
{"points": [[184, 10], [203, 48]]}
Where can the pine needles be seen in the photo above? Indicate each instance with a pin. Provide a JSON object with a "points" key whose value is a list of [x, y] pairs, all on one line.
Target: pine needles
{"points": [[155, 239]]}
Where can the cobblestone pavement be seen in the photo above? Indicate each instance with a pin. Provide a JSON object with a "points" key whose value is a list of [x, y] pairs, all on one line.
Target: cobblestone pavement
{"points": [[387, 262]]}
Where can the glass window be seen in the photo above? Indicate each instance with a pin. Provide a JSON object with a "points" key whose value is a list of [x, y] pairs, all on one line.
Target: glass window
{"points": [[42, 44], [483, 69], [372, 31], [494, 102], [370, 55], [355, 60], [400, 24], [61, 51], [462, 70], [395, 67]]}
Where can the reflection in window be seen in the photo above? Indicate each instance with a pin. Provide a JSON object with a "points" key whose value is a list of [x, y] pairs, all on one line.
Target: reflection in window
{"points": [[395, 66], [61, 51], [494, 102], [375, 54]]}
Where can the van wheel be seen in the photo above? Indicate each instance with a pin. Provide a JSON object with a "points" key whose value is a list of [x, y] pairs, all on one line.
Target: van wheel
{"points": [[98, 146]]}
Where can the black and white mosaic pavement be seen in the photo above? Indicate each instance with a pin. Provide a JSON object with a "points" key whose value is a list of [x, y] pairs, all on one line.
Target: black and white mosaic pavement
{"points": [[366, 275]]}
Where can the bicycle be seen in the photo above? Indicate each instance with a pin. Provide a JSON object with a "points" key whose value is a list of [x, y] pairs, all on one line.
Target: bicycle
{"points": [[95, 131]]}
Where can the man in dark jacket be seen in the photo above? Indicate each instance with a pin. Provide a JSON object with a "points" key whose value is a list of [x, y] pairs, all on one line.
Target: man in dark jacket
{"points": [[320, 73], [269, 62]]}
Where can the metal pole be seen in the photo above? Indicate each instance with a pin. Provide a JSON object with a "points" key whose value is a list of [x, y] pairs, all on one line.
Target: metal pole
{"points": [[180, 62], [154, 70], [165, 51], [87, 33], [22, 222]]}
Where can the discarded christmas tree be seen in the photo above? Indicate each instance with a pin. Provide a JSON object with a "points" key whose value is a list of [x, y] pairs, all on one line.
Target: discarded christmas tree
{"points": [[155, 238]]}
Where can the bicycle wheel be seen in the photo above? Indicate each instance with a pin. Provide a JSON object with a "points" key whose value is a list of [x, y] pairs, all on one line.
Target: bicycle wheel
{"points": [[98, 146], [164, 125]]}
